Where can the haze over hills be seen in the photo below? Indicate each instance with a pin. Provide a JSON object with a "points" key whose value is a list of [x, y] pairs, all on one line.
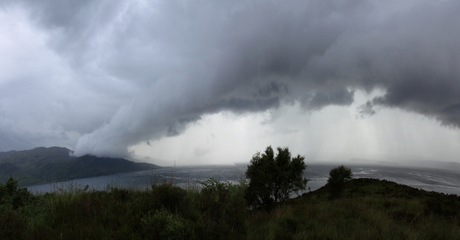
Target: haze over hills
{"points": [[42, 165]]}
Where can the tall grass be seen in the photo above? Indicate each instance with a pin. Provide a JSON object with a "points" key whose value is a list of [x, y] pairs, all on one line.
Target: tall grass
{"points": [[349, 219], [164, 211]]}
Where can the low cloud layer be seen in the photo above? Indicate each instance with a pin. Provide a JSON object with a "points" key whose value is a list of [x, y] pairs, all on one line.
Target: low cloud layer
{"points": [[117, 73]]}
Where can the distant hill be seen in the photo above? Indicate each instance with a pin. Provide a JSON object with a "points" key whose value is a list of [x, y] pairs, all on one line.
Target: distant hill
{"points": [[42, 165]]}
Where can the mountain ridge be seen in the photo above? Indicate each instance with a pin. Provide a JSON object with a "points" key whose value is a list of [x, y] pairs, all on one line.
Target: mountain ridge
{"points": [[43, 165]]}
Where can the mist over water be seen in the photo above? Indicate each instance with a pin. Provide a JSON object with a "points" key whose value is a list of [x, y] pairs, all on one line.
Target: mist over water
{"points": [[430, 179]]}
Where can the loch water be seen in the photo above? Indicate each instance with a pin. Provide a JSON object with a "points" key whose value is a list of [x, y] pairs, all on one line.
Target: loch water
{"points": [[430, 179]]}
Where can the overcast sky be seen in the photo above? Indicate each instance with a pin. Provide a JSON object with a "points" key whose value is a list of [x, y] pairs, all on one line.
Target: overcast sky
{"points": [[216, 81]]}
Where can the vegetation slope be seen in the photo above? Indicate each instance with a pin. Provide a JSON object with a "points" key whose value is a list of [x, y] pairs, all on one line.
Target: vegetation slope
{"points": [[41, 165], [368, 209]]}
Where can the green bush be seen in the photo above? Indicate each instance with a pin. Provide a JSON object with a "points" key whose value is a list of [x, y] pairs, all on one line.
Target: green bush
{"points": [[224, 209], [11, 196], [337, 178], [168, 196], [162, 224], [272, 179]]}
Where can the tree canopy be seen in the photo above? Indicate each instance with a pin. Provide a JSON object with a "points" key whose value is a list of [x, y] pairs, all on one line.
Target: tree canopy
{"points": [[337, 178], [273, 178]]}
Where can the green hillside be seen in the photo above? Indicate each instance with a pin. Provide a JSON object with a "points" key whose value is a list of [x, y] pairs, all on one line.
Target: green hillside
{"points": [[42, 165], [368, 209]]}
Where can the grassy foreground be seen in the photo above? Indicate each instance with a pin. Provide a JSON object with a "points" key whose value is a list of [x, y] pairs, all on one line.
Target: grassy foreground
{"points": [[368, 209]]}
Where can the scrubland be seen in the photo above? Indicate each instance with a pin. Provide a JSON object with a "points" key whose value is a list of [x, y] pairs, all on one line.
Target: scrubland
{"points": [[367, 209]]}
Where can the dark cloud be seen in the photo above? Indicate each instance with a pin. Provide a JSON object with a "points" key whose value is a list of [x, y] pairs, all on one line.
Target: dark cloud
{"points": [[332, 97], [179, 126], [270, 89], [164, 64], [434, 96]]}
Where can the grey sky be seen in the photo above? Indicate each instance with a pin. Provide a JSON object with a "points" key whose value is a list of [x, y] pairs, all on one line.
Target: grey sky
{"points": [[121, 78]]}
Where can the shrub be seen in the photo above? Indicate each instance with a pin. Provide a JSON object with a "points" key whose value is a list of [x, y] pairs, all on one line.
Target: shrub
{"points": [[337, 178], [162, 224], [168, 196], [13, 196], [224, 210]]}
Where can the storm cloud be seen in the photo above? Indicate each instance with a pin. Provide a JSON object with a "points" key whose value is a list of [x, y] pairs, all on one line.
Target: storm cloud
{"points": [[117, 73]]}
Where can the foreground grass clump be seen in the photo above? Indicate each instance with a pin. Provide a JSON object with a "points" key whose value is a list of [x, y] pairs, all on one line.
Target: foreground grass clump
{"points": [[367, 209]]}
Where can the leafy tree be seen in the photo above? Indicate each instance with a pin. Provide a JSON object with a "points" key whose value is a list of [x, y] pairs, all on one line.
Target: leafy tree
{"points": [[273, 178], [337, 178], [12, 195]]}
